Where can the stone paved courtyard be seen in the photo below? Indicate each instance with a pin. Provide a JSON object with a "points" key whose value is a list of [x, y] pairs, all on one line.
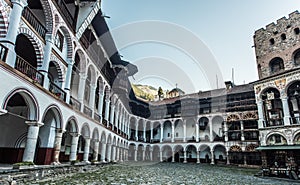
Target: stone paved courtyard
{"points": [[163, 174]]}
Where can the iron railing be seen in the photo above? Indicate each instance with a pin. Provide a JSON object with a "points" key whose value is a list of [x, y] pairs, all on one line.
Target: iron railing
{"points": [[34, 22], [57, 91], [30, 71], [295, 120], [75, 103]]}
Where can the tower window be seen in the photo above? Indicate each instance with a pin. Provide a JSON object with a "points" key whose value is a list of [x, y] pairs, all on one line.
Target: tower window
{"points": [[272, 41], [276, 65], [283, 36], [297, 31]]}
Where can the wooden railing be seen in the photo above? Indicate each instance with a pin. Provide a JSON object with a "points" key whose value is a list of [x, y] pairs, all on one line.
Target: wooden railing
{"points": [[295, 120], [75, 103], [66, 13], [3, 52], [273, 123], [34, 22], [57, 91], [30, 71]]}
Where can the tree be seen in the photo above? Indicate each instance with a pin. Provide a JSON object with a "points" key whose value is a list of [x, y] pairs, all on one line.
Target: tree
{"points": [[160, 93]]}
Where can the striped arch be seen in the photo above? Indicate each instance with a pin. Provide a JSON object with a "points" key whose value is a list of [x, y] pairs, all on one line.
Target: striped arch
{"points": [[82, 60], [49, 19], [35, 43], [59, 71], [3, 20], [68, 38]]}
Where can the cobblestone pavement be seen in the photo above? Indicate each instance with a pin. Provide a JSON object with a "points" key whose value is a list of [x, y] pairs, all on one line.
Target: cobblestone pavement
{"points": [[164, 174]]}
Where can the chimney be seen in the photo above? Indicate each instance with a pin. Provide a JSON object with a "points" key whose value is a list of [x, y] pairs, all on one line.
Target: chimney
{"points": [[228, 85]]}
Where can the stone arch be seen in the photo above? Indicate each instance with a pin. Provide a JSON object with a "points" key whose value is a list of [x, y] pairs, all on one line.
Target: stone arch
{"points": [[3, 21], [296, 57], [85, 130], [58, 69], [219, 153], [167, 153], [92, 70], [233, 117], [49, 19], [35, 43], [276, 138], [29, 99], [68, 38], [251, 148], [72, 121], [191, 153], [249, 116], [205, 153], [296, 137], [276, 65], [57, 113], [103, 137], [235, 148]]}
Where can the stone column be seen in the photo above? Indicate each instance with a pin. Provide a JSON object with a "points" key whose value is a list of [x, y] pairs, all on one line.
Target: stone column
{"points": [[12, 32], [57, 145], [286, 111], [198, 157], [116, 121], [118, 154], [184, 131], [135, 153], [136, 132], [144, 154], [81, 88], [228, 161], [161, 156], [173, 156], [92, 98], [161, 132], [113, 153], [107, 102], [103, 152], [197, 132], [96, 150], [184, 155], [74, 144], [144, 132], [32, 136], [68, 81], [212, 156], [260, 114], [86, 150], [245, 159], [112, 115], [242, 131], [151, 155], [47, 54], [121, 154], [173, 132], [226, 131], [211, 138], [151, 132], [100, 105], [109, 146]]}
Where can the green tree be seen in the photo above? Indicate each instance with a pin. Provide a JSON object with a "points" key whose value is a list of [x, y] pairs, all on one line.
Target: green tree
{"points": [[160, 93]]}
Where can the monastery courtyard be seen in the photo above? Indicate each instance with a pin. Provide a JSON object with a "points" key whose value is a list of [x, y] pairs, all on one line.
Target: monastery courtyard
{"points": [[163, 174]]}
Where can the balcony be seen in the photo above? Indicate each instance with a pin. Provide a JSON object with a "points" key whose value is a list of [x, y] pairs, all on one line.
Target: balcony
{"points": [[30, 71], [273, 123], [75, 104], [66, 13], [34, 22], [295, 120], [57, 91], [97, 117]]}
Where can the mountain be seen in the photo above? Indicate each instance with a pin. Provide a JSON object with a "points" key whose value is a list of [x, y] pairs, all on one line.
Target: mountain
{"points": [[145, 92]]}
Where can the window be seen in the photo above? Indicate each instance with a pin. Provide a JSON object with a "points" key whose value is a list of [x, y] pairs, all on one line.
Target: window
{"points": [[272, 41], [297, 31], [276, 65], [297, 57], [283, 36], [59, 40]]}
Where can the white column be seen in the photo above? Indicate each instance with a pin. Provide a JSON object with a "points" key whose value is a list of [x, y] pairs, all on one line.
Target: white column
{"points": [[227, 161], [86, 150], [47, 53], [113, 153], [96, 150], [103, 152], [112, 116], [184, 159], [68, 81], [173, 156], [32, 135], [109, 146], [144, 154], [74, 144], [92, 98], [260, 114], [116, 121], [151, 155], [151, 132], [242, 131], [136, 132], [226, 131], [12, 32], [135, 153], [173, 132], [286, 111], [121, 154], [57, 145], [118, 154], [81, 88], [198, 157], [212, 156], [144, 132], [107, 102], [100, 105], [161, 132], [161, 156], [211, 138], [197, 132], [184, 132]]}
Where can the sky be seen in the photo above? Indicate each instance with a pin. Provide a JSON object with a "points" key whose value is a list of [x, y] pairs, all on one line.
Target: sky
{"points": [[195, 45]]}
